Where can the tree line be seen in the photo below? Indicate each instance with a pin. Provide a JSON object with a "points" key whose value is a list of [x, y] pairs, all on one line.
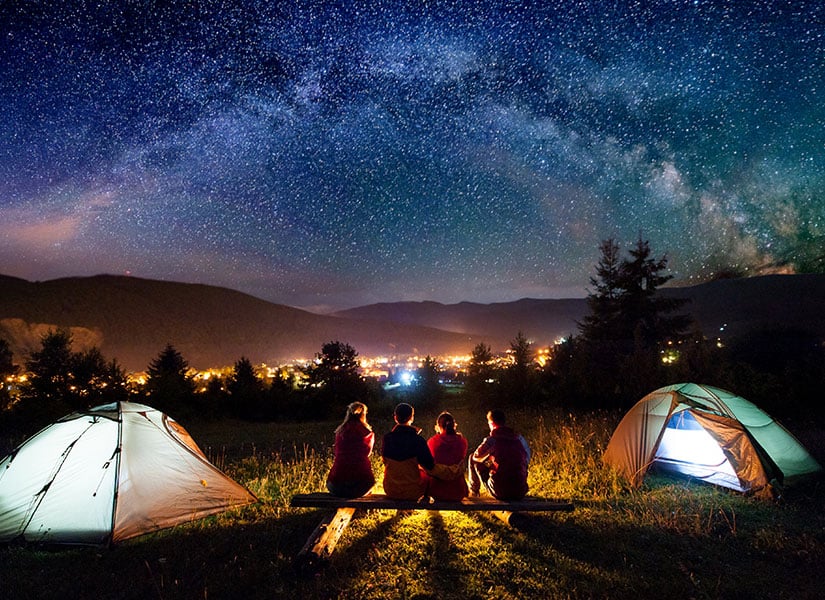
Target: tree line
{"points": [[632, 341]]}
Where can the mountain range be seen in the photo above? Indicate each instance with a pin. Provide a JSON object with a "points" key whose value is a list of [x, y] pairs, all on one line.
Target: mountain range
{"points": [[133, 319]]}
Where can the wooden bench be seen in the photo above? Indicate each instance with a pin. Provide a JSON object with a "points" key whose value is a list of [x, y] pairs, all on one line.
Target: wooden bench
{"points": [[321, 543]]}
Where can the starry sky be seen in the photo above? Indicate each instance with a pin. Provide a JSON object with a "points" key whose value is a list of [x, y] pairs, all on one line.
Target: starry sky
{"points": [[333, 154]]}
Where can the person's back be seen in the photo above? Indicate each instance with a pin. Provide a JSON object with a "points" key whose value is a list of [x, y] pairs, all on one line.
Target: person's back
{"points": [[351, 474], [405, 452], [449, 450], [508, 475], [501, 461]]}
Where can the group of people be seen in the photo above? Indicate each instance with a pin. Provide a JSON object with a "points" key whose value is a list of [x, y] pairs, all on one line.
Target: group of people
{"points": [[415, 468]]}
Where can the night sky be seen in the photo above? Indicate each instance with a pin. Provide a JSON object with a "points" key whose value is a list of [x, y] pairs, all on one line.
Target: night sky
{"points": [[333, 154]]}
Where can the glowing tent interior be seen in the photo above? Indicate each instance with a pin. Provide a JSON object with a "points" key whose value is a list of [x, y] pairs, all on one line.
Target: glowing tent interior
{"points": [[108, 474], [708, 434]]}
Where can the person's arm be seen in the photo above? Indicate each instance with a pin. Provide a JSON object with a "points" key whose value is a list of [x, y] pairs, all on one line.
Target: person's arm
{"points": [[526, 448], [424, 456], [482, 453]]}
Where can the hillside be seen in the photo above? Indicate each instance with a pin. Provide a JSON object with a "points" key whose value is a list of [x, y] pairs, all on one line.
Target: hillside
{"points": [[543, 321], [132, 319], [737, 305]]}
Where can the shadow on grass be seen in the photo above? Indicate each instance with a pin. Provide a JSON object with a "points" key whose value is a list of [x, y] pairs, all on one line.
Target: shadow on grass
{"points": [[214, 560], [603, 553]]}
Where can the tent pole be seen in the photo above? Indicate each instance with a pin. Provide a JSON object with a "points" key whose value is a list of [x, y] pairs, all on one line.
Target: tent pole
{"points": [[118, 454]]}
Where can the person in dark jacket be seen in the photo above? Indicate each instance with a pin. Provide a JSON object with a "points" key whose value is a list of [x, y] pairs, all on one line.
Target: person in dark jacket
{"points": [[501, 461], [351, 474], [406, 456]]}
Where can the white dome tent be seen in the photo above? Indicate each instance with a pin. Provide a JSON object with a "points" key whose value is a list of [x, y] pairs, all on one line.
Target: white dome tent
{"points": [[709, 434], [109, 474]]}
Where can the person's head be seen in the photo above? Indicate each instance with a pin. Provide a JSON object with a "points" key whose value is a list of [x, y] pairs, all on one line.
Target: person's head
{"points": [[496, 418], [445, 423], [403, 414], [356, 411]]}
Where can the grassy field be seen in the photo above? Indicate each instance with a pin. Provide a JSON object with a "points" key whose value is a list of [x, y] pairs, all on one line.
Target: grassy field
{"points": [[670, 539]]}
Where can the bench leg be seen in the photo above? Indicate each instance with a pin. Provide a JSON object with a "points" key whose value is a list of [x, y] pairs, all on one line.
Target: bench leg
{"points": [[503, 515], [321, 543], [515, 520]]}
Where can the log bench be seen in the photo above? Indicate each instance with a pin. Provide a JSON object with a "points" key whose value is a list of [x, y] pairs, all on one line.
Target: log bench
{"points": [[321, 543]]}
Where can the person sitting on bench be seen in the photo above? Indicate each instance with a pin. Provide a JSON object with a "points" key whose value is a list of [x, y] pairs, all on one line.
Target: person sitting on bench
{"points": [[449, 448], [501, 461], [351, 475], [405, 454]]}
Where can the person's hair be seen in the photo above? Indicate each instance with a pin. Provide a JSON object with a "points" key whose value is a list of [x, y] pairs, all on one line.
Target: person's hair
{"points": [[497, 417], [356, 411], [403, 413], [446, 423]]}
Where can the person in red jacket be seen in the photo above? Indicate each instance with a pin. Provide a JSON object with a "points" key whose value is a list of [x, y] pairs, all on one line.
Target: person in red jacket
{"points": [[351, 474], [501, 461], [449, 448]]}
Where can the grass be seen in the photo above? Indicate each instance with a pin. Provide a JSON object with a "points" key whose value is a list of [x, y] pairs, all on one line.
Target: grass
{"points": [[672, 538]]}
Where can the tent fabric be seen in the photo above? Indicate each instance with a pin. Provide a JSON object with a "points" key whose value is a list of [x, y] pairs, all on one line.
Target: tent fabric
{"points": [[109, 474], [707, 460], [661, 430]]}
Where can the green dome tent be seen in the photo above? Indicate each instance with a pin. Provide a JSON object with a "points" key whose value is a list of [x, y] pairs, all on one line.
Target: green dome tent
{"points": [[709, 434], [109, 474]]}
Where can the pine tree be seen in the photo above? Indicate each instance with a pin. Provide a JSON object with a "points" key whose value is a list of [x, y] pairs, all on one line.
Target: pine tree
{"points": [[519, 379], [7, 369], [647, 315], [50, 377], [246, 390], [629, 321], [334, 379], [481, 373], [428, 390], [604, 320], [169, 386]]}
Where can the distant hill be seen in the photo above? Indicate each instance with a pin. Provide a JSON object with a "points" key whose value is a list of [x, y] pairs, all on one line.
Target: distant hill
{"points": [[737, 305], [542, 321], [132, 319]]}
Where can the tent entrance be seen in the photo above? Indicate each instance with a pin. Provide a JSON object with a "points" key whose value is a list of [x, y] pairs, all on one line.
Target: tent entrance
{"points": [[686, 448]]}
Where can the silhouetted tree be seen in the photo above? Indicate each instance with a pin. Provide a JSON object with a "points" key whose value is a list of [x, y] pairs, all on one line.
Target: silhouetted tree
{"points": [[334, 380], [213, 400], [427, 390], [604, 321], [648, 316], [246, 391], [94, 381], [169, 387], [7, 369], [50, 380], [481, 374], [630, 323], [519, 381], [282, 398], [61, 380], [625, 308]]}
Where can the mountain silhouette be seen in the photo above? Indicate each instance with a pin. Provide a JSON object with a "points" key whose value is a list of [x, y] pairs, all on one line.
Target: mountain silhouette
{"points": [[132, 319]]}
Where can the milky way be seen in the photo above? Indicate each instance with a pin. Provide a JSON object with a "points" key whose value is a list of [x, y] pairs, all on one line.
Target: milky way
{"points": [[320, 155]]}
